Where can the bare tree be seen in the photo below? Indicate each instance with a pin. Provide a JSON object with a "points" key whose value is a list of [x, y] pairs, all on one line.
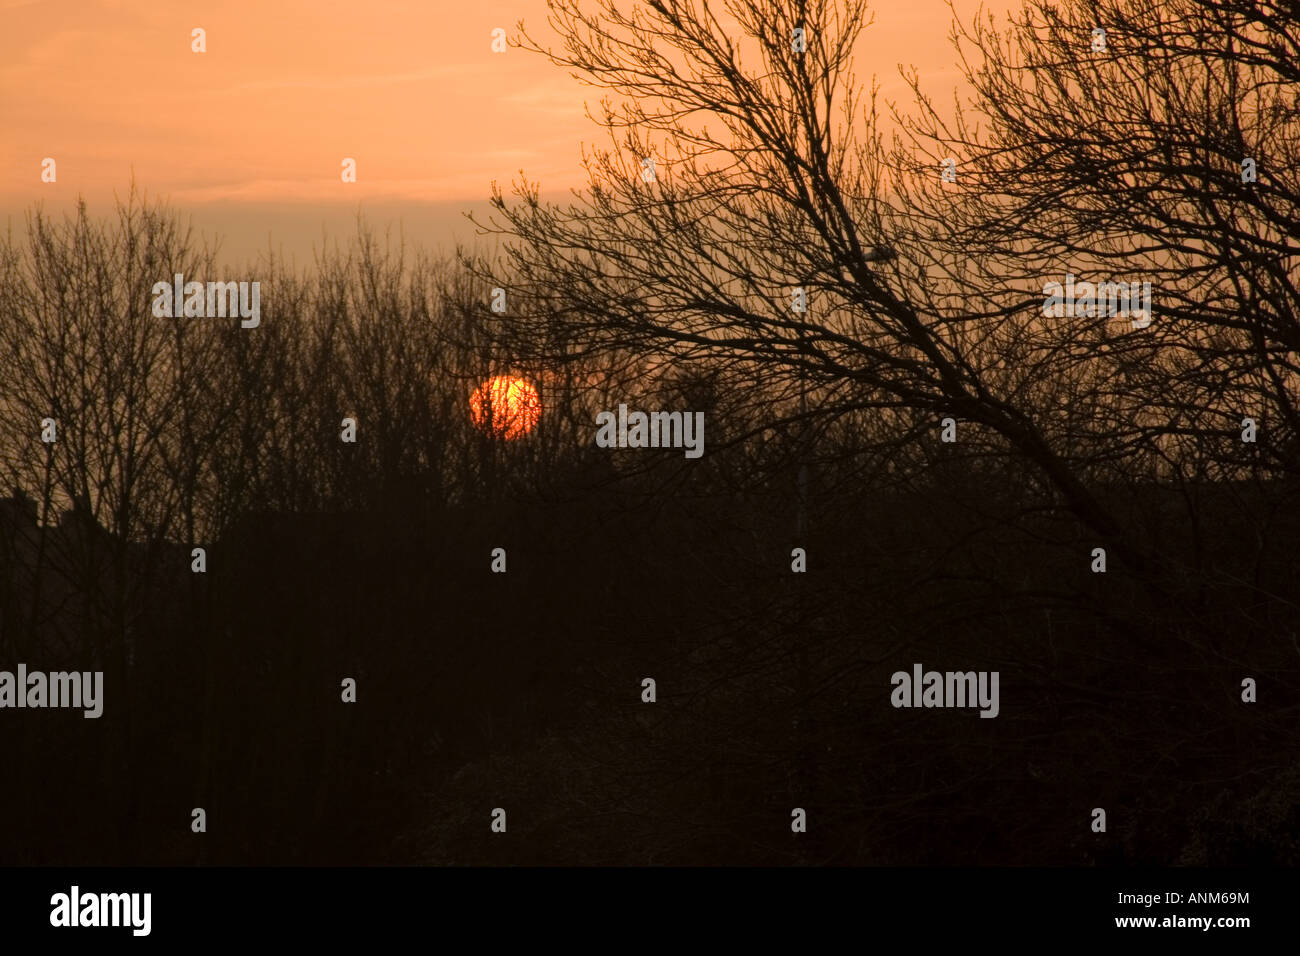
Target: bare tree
{"points": [[747, 176], [1133, 141]]}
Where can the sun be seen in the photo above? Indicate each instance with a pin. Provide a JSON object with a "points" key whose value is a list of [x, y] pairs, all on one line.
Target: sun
{"points": [[506, 407]]}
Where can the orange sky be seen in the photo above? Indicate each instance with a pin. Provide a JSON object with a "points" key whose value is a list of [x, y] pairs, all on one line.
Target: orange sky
{"points": [[248, 137]]}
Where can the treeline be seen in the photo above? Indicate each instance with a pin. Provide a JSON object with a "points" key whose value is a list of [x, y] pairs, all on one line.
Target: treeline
{"points": [[371, 561]]}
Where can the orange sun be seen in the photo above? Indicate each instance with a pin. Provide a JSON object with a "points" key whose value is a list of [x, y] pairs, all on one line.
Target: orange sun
{"points": [[505, 407]]}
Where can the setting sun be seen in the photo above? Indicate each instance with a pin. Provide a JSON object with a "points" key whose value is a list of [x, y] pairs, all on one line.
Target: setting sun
{"points": [[506, 407]]}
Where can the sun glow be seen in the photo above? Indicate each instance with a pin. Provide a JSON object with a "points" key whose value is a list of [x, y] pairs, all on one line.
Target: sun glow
{"points": [[506, 407]]}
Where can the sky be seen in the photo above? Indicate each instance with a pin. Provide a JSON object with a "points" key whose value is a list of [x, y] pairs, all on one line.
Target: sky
{"points": [[247, 139]]}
